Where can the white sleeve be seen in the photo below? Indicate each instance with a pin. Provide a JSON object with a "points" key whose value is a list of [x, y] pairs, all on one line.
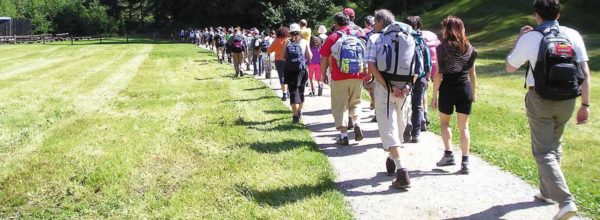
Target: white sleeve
{"points": [[518, 57], [579, 46]]}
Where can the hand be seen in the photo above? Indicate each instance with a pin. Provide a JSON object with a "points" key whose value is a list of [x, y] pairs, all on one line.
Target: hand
{"points": [[325, 79], [525, 29], [583, 115], [396, 91], [434, 103]]}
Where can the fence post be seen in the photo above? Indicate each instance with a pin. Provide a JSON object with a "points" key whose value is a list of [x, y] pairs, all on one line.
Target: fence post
{"points": [[71, 40]]}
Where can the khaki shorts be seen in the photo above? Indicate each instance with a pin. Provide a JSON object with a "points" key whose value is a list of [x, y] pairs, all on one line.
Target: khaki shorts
{"points": [[345, 100]]}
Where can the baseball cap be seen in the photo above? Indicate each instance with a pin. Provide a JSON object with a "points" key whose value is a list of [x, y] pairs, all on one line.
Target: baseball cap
{"points": [[349, 12]]}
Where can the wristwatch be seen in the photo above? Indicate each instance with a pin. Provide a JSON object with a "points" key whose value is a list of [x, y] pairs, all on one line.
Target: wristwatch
{"points": [[585, 105]]}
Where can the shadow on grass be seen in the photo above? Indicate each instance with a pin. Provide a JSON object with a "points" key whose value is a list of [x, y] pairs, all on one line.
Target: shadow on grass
{"points": [[277, 112], [204, 79], [281, 146], [257, 88], [496, 212], [286, 195]]}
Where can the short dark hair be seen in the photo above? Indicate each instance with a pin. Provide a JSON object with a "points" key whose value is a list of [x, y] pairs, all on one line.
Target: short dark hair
{"points": [[341, 19], [283, 32], [414, 21], [547, 9]]}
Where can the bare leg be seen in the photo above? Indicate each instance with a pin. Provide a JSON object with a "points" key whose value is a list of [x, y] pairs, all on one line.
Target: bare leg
{"points": [[445, 130], [465, 136]]}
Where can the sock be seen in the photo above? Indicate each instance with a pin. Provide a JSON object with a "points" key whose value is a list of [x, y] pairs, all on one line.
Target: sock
{"points": [[344, 135], [448, 153], [398, 163], [465, 159]]}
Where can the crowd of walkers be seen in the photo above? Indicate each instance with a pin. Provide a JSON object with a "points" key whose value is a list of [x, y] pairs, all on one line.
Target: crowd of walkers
{"points": [[396, 61]]}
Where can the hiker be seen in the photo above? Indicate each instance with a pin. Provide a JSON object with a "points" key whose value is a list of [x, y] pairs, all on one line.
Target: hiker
{"points": [[314, 67], [248, 52], [257, 58], [417, 122], [305, 32], [220, 44], [559, 51], [264, 48], [277, 48], [392, 87], [346, 79], [227, 49], [237, 46], [368, 80], [182, 35], [322, 33], [432, 41], [350, 13], [456, 84], [296, 53]]}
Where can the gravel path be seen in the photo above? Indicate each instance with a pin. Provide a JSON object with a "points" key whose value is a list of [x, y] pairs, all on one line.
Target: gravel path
{"points": [[436, 193]]}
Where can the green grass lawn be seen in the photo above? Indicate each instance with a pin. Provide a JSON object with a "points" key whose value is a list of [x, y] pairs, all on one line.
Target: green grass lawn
{"points": [[499, 128], [150, 130]]}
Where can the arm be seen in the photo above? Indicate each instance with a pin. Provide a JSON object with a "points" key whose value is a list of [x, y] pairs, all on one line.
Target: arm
{"points": [[510, 68], [583, 114], [284, 50], [308, 53], [324, 66], [437, 81], [473, 79]]}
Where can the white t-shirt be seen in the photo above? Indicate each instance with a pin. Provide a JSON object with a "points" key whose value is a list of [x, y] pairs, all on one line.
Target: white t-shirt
{"points": [[528, 46]]}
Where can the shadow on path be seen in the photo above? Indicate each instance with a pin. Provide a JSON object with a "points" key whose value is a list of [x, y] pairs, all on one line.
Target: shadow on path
{"points": [[496, 212]]}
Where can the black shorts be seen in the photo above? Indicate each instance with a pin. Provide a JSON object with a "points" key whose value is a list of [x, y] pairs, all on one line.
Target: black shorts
{"points": [[296, 82], [455, 95]]}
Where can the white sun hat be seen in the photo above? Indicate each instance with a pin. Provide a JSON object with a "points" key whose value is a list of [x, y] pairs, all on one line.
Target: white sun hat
{"points": [[295, 27]]}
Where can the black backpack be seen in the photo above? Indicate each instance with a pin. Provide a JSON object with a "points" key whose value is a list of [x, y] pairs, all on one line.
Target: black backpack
{"points": [[557, 74], [295, 61], [237, 44]]}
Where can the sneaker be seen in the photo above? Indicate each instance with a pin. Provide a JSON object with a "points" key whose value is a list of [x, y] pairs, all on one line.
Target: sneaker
{"points": [[402, 179], [295, 119], [407, 133], [540, 197], [464, 168], [390, 167], [414, 139], [358, 134], [374, 119], [320, 92], [566, 212], [446, 161], [342, 141], [350, 123], [284, 97]]}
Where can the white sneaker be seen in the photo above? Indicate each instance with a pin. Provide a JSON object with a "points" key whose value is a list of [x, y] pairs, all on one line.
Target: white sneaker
{"points": [[544, 199], [566, 212]]}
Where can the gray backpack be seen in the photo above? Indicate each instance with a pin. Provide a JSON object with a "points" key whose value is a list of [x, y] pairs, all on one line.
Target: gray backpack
{"points": [[395, 60]]}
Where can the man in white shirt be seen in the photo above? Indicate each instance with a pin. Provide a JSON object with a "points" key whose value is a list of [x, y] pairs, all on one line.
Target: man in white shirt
{"points": [[547, 116]]}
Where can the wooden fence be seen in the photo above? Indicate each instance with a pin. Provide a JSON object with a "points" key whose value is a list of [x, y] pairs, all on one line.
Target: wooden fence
{"points": [[44, 38]]}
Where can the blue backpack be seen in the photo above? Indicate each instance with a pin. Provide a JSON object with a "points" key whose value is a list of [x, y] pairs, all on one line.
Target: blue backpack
{"points": [[295, 61], [349, 51], [422, 60]]}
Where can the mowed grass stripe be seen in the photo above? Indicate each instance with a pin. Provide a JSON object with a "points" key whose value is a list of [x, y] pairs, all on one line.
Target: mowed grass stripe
{"points": [[9, 54], [181, 140], [55, 99]]}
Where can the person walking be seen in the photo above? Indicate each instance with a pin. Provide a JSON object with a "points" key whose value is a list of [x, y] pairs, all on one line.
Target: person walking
{"points": [[266, 57], [322, 33], [277, 47], [296, 53], [314, 68], [305, 32], [257, 58], [345, 87], [550, 102], [392, 88], [419, 90], [455, 83], [238, 46]]}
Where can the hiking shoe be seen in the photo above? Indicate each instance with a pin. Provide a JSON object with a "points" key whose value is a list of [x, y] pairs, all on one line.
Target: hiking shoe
{"points": [[342, 141], [402, 179], [374, 119], [295, 119], [446, 161], [358, 134], [407, 133], [424, 127], [350, 123], [414, 139], [464, 168], [320, 92], [284, 97], [390, 167], [540, 197], [566, 212], [300, 115]]}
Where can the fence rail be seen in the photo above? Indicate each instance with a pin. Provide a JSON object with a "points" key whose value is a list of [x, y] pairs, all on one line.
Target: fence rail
{"points": [[44, 38]]}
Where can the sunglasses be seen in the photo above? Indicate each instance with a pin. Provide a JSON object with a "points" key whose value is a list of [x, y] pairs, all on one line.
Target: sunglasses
{"points": [[294, 33]]}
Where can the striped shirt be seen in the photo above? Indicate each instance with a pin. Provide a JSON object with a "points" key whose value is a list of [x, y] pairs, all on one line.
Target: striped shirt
{"points": [[453, 64]]}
